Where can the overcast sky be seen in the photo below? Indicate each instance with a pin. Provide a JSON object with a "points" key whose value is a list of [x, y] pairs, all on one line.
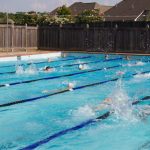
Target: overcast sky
{"points": [[42, 5]]}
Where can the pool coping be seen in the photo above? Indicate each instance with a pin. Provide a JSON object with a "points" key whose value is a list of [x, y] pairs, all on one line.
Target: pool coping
{"points": [[28, 55], [112, 53]]}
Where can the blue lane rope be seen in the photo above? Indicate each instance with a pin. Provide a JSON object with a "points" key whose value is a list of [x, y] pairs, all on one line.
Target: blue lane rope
{"points": [[61, 91], [72, 129], [63, 132], [75, 58], [55, 93], [70, 65], [54, 77]]}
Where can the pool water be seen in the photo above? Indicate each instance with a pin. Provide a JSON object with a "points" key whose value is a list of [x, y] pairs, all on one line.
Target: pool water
{"points": [[38, 112]]}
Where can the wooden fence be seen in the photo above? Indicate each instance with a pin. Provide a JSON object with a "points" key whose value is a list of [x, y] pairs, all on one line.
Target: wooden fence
{"points": [[101, 37], [18, 37]]}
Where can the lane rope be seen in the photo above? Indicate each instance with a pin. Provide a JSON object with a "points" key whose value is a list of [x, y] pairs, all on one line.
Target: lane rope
{"points": [[75, 58], [62, 91], [72, 129], [69, 65]]}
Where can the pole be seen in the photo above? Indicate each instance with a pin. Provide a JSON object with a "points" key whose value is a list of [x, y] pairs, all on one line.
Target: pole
{"points": [[12, 39], [7, 33], [26, 37]]}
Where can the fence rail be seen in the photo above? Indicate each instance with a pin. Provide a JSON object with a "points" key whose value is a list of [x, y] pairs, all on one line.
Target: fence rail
{"points": [[100, 37]]}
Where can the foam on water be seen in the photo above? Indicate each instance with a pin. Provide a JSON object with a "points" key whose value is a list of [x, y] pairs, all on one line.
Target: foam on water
{"points": [[30, 70], [19, 70], [139, 63], [120, 105], [83, 113], [142, 76]]}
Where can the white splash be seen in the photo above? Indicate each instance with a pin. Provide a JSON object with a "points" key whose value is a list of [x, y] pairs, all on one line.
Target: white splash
{"points": [[83, 113], [139, 63], [83, 67], [31, 69], [142, 76], [19, 70], [121, 106]]}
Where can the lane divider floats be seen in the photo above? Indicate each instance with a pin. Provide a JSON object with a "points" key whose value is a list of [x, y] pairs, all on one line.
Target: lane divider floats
{"points": [[52, 94], [59, 76], [75, 58], [72, 129], [62, 91], [69, 65]]}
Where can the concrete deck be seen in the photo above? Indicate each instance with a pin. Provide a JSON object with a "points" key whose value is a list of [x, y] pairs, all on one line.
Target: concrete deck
{"points": [[21, 53]]}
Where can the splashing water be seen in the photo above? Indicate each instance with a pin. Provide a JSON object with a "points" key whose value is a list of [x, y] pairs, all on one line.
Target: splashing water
{"points": [[19, 70], [31, 69], [142, 76], [67, 82], [83, 113], [139, 63], [120, 104], [83, 67]]}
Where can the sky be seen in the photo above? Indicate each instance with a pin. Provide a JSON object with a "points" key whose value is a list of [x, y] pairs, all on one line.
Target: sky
{"points": [[42, 5]]}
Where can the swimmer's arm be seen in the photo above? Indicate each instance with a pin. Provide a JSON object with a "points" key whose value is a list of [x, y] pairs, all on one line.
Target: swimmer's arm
{"points": [[99, 107], [54, 91]]}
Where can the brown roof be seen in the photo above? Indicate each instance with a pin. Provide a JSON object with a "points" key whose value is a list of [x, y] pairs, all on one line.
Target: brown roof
{"points": [[54, 12], [127, 10], [78, 7]]}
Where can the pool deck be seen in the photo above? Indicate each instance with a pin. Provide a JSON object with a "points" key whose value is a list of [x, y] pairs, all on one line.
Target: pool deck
{"points": [[24, 53], [34, 52], [117, 53]]}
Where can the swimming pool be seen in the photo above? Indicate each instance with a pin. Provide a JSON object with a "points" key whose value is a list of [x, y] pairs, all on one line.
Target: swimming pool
{"points": [[38, 112]]}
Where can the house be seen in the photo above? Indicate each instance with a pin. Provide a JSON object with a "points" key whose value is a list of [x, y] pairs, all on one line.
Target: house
{"points": [[78, 7], [128, 10]]}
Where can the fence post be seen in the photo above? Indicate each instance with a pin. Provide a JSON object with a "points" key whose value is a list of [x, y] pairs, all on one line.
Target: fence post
{"points": [[60, 36], [7, 33], [148, 38], [115, 38], [37, 36], [26, 38], [12, 38], [87, 37]]}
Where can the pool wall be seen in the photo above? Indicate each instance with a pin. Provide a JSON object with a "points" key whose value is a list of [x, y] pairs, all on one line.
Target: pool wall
{"points": [[29, 57]]}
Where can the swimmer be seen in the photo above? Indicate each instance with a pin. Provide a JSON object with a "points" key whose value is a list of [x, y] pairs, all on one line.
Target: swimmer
{"points": [[63, 55], [120, 73], [82, 67], [106, 57], [144, 112], [104, 105], [49, 60], [127, 57], [48, 69], [70, 86]]}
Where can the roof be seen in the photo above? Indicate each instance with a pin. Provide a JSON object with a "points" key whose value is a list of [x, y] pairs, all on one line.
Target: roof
{"points": [[78, 7], [127, 10], [54, 12]]}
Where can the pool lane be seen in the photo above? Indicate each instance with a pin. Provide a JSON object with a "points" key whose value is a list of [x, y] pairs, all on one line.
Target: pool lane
{"points": [[53, 61], [59, 76], [67, 90], [32, 91], [75, 128], [69, 65], [31, 111]]}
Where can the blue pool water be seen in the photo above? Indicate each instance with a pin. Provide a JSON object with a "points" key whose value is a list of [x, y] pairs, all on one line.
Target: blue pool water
{"points": [[34, 115]]}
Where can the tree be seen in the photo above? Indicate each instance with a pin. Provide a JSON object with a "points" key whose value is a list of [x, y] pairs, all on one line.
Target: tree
{"points": [[63, 11], [89, 16]]}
